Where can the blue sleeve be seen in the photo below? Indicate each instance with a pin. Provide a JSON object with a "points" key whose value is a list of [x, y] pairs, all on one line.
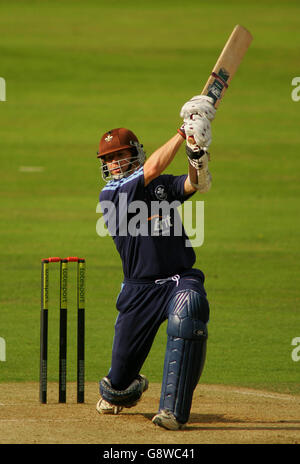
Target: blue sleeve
{"points": [[176, 188]]}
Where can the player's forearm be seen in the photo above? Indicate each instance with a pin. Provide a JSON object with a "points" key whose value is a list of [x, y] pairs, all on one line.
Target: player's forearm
{"points": [[161, 158], [190, 180], [199, 177]]}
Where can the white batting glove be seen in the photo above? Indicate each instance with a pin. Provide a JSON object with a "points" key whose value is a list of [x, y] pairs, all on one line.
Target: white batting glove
{"points": [[198, 132], [200, 104]]}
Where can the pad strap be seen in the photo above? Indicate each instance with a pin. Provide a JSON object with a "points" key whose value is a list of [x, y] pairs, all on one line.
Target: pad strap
{"points": [[126, 398]]}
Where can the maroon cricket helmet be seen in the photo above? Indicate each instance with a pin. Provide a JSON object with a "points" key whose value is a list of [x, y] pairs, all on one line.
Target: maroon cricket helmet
{"points": [[116, 140]]}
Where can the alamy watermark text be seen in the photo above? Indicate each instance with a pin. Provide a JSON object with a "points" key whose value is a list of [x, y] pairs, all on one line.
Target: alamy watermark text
{"points": [[2, 349], [2, 89], [296, 350], [160, 218], [296, 91]]}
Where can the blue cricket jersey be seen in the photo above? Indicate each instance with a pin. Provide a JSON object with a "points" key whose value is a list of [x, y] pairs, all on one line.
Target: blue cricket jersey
{"points": [[147, 232]]}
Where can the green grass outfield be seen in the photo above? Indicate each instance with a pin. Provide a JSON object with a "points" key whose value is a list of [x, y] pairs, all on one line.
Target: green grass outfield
{"points": [[75, 69]]}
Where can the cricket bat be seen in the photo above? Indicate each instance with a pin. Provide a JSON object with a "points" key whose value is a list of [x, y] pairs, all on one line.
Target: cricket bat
{"points": [[227, 64]]}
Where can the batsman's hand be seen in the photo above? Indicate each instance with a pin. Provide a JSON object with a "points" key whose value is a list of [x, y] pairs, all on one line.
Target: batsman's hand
{"points": [[200, 104], [198, 132]]}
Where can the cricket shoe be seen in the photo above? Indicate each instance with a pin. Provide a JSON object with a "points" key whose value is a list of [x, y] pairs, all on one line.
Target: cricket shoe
{"points": [[167, 420], [104, 407]]}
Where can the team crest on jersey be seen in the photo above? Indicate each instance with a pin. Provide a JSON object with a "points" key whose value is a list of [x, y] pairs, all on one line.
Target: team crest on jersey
{"points": [[160, 192]]}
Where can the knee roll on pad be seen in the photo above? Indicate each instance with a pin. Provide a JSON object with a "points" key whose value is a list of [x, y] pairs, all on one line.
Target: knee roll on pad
{"points": [[126, 398], [185, 352], [186, 327], [188, 307]]}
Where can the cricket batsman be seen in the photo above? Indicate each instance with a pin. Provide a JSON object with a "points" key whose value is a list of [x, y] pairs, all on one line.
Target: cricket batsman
{"points": [[160, 282]]}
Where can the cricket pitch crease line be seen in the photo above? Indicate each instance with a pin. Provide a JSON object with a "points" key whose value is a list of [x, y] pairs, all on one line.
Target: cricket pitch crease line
{"points": [[23, 419], [266, 395], [279, 396]]}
